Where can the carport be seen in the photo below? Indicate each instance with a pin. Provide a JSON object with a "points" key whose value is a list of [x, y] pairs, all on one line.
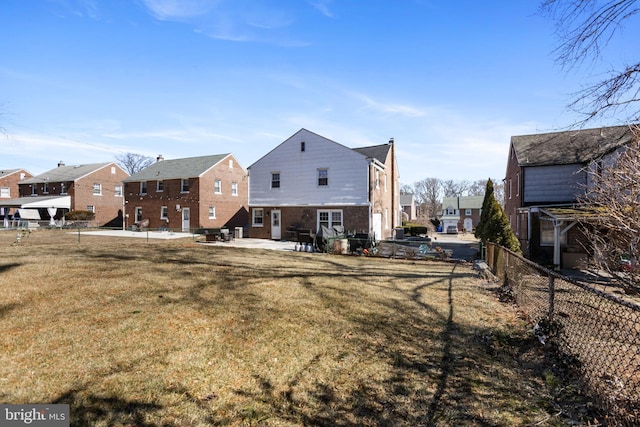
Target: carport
{"points": [[563, 219]]}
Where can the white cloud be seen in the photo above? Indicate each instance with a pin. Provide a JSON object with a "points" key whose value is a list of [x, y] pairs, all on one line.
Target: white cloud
{"points": [[232, 20], [390, 108], [322, 6], [179, 10]]}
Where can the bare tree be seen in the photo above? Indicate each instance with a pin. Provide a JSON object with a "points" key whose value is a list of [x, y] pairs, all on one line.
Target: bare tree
{"points": [[430, 190], [133, 163], [613, 223], [585, 27], [453, 188]]}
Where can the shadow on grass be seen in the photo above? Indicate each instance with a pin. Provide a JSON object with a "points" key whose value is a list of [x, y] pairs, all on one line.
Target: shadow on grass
{"points": [[7, 267], [438, 371], [89, 410]]}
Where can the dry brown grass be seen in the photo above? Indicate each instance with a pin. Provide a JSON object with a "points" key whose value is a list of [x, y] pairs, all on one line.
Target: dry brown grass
{"points": [[131, 332]]}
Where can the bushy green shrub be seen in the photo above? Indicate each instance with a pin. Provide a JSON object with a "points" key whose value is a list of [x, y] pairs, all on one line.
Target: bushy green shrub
{"points": [[412, 229]]}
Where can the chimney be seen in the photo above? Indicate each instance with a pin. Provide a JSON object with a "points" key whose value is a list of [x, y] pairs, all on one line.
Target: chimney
{"points": [[60, 164], [159, 158], [390, 141]]}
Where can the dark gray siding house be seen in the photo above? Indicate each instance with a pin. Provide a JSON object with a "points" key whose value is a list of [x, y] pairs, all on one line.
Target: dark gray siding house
{"points": [[547, 172]]}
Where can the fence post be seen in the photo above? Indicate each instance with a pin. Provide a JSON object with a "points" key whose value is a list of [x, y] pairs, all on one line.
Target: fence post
{"points": [[551, 297]]}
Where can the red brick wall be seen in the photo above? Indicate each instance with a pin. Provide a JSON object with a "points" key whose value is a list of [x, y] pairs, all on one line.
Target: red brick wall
{"points": [[12, 182], [108, 206], [230, 210]]}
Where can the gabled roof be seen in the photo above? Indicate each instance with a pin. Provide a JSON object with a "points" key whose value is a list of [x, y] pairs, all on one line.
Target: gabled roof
{"points": [[66, 173], [406, 199], [569, 147], [378, 152], [7, 172], [189, 167], [463, 202]]}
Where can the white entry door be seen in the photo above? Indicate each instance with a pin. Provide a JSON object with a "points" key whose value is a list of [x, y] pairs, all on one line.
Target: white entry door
{"points": [[276, 232], [186, 219], [377, 226]]}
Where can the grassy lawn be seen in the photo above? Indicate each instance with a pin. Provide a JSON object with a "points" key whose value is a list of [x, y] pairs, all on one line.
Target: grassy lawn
{"points": [[165, 333]]}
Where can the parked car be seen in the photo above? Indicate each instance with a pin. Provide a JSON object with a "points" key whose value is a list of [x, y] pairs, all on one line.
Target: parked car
{"points": [[452, 229]]}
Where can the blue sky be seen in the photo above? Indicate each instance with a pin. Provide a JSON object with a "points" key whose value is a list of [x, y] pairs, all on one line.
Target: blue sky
{"points": [[451, 81]]}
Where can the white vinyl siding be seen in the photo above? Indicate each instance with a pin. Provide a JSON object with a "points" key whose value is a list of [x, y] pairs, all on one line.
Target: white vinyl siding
{"points": [[348, 174]]}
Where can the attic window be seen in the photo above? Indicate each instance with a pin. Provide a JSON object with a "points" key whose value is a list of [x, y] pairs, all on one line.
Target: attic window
{"points": [[302, 147]]}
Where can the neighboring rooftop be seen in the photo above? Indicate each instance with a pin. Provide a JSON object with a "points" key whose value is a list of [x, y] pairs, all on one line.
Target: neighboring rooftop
{"points": [[569, 147], [65, 173], [378, 152], [188, 167]]}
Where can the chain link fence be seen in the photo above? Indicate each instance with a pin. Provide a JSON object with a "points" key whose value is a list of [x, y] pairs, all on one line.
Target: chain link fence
{"points": [[596, 332]]}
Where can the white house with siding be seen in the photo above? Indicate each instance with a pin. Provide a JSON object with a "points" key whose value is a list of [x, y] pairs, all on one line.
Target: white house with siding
{"points": [[309, 181]]}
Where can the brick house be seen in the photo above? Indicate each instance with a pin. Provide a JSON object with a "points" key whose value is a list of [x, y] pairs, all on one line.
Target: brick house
{"points": [[195, 192], [93, 187], [546, 174], [309, 181], [462, 212], [9, 180], [408, 206]]}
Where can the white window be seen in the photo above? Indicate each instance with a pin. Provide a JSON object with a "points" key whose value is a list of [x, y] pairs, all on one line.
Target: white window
{"points": [[97, 189], [323, 177], [257, 217], [164, 212], [451, 211], [230, 164], [217, 186], [546, 234], [385, 182], [117, 191], [212, 212], [33, 190], [185, 185], [329, 218], [113, 170], [63, 188], [138, 214], [275, 180], [143, 187], [91, 208], [159, 186], [467, 212], [5, 192], [377, 179], [234, 188], [45, 188]]}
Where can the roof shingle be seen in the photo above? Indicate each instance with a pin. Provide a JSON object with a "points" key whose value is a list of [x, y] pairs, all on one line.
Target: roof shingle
{"points": [[569, 147]]}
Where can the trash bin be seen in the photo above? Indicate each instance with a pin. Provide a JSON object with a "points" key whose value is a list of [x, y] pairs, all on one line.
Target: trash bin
{"points": [[399, 233], [238, 233]]}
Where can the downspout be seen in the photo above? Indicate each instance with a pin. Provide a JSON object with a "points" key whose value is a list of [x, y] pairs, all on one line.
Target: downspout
{"points": [[394, 220]]}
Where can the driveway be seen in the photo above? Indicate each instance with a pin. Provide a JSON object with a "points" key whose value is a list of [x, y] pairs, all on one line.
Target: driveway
{"points": [[462, 246]]}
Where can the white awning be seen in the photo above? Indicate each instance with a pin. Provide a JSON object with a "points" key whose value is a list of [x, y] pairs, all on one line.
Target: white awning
{"points": [[32, 214], [60, 202]]}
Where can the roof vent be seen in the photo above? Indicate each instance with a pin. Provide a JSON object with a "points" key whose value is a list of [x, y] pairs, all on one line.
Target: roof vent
{"points": [[60, 164], [159, 158]]}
